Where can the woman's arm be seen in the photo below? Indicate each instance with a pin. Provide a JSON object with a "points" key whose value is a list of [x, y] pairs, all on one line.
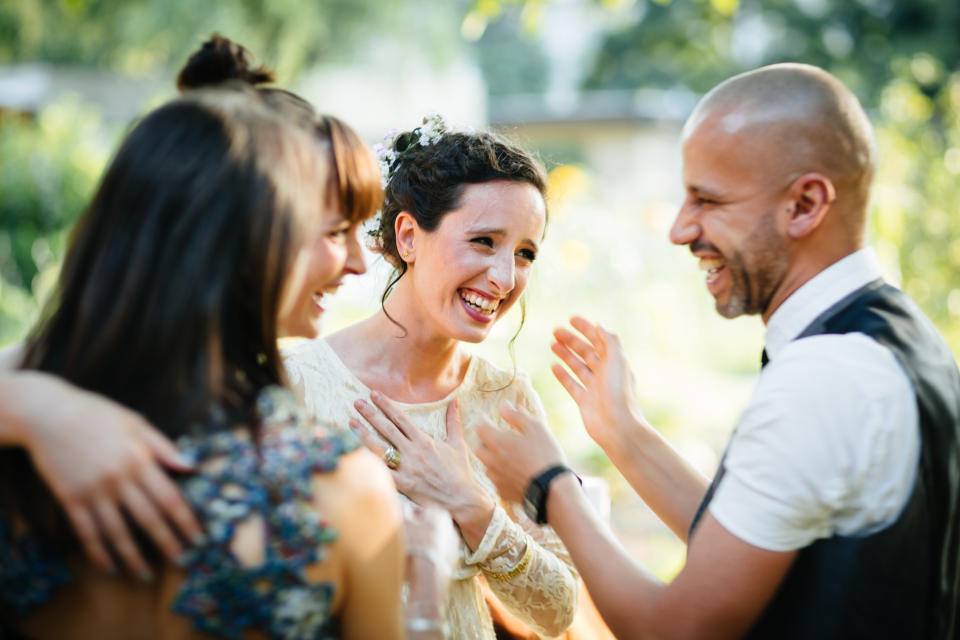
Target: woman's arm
{"points": [[359, 501], [100, 460], [530, 572]]}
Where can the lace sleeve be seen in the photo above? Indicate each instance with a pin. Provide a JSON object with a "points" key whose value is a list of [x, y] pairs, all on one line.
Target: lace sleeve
{"points": [[526, 565], [530, 571]]}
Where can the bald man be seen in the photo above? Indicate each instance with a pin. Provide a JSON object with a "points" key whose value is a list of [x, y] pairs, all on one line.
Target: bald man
{"points": [[834, 513]]}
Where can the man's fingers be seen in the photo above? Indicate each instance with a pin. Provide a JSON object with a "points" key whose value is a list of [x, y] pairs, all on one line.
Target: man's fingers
{"points": [[574, 388], [585, 350], [584, 326], [117, 532], [573, 361], [85, 526], [165, 494], [145, 514]]}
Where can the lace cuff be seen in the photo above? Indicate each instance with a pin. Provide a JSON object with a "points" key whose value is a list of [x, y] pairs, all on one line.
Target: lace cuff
{"points": [[502, 547]]}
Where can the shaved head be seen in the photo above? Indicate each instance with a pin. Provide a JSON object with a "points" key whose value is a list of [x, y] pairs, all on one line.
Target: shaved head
{"points": [[795, 119]]}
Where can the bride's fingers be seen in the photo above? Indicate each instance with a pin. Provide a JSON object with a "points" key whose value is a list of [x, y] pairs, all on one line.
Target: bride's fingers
{"points": [[395, 415], [381, 423], [573, 361], [454, 425], [374, 443], [578, 345]]}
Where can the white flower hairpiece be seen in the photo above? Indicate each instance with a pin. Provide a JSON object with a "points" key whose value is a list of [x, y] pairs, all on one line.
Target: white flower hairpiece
{"points": [[394, 147]]}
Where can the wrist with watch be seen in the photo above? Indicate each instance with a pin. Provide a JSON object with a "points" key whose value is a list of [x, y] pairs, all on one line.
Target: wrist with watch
{"points": [[535, 497]]}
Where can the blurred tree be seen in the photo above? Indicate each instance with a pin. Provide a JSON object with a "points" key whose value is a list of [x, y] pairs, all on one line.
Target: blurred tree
{"points": [[48, 167], [700, 42], [510, 57], [137, 36], [49, 161]]}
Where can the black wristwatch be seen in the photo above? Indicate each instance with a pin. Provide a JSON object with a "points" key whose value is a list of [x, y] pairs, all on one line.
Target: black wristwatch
{"points": [[535, 498]]}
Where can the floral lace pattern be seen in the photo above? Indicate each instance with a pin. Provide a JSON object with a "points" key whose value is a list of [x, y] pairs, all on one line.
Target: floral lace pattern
{"points": [[525, 565], [238, 483]]}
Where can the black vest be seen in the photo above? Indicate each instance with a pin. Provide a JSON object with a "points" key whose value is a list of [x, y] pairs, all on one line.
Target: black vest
{"points": [[901, 582]]}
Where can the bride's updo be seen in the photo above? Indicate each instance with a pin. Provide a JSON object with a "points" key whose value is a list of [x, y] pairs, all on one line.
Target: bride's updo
{"points": [[354, 177], [428, 180]]}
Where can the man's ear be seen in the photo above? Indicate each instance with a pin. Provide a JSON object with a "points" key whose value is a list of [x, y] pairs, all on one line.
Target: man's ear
{"points": [[405, 228], [809, 200]]}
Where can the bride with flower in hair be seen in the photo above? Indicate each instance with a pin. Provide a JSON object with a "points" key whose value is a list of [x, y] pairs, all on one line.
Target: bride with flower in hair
{"points": [[461, 225]]}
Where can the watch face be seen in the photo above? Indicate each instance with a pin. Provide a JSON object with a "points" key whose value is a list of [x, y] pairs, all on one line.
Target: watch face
{"points": [[530, 508], [533, 501]]}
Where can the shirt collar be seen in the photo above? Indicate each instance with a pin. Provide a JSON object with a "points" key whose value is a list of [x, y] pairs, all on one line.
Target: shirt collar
{"points": [[819, 294]]}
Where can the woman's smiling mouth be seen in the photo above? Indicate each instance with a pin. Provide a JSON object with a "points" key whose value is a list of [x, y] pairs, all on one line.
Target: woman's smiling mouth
{"points": [[478, 306]]}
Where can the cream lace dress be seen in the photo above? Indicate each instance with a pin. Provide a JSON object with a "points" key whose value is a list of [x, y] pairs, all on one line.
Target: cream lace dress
{"points": [[525, 565]]}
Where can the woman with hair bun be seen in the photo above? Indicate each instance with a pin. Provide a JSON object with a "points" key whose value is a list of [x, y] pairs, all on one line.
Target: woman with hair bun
{"points": [[204, 244], [210, 227], [462, 221]]}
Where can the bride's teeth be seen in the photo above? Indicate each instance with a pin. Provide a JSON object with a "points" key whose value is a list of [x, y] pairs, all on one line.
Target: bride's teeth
{"points": [[482, 304]]}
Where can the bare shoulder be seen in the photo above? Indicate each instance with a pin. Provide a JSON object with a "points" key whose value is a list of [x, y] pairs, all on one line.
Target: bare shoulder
{"points": [[358, 494]]}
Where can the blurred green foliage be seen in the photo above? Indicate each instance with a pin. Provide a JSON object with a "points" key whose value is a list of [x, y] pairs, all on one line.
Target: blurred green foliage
{"points": [[48, 167], [50, 160], [901, 57], [138, 36]]}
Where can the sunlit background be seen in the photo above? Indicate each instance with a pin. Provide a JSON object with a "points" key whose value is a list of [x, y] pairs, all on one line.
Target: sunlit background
{"points": [[598, 88]]}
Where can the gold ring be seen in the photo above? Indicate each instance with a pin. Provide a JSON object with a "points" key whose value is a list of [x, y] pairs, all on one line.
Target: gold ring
{"points": [[392, 457]]}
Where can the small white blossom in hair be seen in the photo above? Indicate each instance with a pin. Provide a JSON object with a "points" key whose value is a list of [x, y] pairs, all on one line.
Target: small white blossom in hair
{"points": [[432, 129], [385, 158]]}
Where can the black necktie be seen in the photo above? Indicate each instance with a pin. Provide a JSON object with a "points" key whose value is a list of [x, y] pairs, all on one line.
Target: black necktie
{"points": [[764, 359]]}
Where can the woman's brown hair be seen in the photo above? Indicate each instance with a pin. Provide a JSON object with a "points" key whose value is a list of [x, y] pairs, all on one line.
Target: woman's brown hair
{"points": [[168, 295], [354, 177]]}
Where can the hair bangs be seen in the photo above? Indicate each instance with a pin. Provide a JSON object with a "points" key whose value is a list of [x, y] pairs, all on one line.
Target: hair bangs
{"points": [[354, 177]]}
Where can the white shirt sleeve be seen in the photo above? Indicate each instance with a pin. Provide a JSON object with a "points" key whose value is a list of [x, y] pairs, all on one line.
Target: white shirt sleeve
{"points": [[829, 444]]}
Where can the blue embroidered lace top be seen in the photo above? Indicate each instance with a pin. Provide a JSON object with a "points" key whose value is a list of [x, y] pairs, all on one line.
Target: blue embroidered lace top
{"points": [[237, 481]]}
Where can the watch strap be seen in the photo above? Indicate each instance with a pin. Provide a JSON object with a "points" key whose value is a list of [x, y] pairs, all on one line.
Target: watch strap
{"points": [[540, 487]]}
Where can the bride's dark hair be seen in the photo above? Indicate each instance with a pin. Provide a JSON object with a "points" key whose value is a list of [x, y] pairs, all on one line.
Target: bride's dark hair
{"points": [[428, 182]]}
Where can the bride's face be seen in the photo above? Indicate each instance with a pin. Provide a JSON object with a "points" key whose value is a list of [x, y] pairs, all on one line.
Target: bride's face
{"points": [[467, 273], [330, 252]]}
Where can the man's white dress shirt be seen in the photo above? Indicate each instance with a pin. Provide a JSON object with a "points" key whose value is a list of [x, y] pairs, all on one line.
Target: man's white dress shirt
{"points": [[829, 442]]}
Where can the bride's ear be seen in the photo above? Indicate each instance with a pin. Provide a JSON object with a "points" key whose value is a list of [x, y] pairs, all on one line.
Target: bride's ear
{"points": [[405, 229]]}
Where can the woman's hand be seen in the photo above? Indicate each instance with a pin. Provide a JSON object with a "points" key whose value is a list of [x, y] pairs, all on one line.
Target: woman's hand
{"points": [[429, 470], [101, 459], [602, 383]]}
